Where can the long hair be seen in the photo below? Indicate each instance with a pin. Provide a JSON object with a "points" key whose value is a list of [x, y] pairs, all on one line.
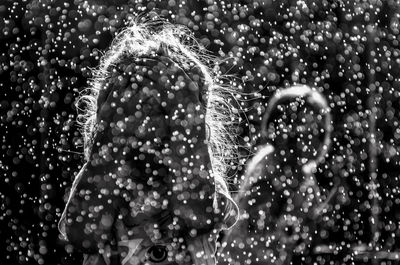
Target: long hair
{"points": [[146, 37]]}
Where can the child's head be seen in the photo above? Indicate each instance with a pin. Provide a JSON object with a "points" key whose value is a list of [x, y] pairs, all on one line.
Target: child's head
{"points": [[297, 123], [156, 36]]}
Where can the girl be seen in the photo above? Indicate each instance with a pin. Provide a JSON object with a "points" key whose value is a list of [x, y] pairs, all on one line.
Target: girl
{"points": [[279, 198], [156, 133]]}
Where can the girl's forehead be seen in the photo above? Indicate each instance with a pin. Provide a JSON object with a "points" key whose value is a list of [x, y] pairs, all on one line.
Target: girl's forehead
{"points": [[297, 105], [295, 113], [163, 70]]}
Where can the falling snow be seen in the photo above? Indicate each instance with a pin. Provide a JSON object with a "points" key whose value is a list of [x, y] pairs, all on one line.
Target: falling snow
{"points": [[342, 211]]}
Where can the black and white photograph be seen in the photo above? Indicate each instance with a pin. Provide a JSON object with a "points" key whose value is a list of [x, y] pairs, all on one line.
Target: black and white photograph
{"points": [[199, 132]]}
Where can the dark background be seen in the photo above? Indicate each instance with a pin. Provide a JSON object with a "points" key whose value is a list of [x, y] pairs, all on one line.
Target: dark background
{"points": [[348, 50]]}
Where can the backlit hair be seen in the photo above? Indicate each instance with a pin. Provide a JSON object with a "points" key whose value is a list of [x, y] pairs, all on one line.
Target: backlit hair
{"points": [[143, 38]]}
